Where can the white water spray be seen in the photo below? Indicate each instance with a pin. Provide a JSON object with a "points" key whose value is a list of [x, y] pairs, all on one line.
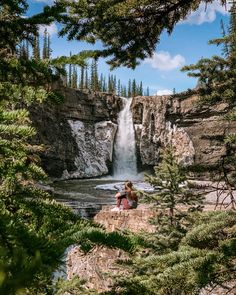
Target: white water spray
{"points": [[125, 164]]}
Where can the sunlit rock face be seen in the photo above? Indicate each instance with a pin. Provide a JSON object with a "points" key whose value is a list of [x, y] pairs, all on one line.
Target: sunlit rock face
{"points": [[95, 148], [154, 130], [78, 134], [196, 132]]}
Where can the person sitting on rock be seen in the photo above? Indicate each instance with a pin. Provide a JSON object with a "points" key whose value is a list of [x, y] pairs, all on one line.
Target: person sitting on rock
{"points": [[126, 199]]}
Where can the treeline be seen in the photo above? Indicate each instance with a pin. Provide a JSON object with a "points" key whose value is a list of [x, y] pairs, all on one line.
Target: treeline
{"points": [[83, 77], [36, 52], [90, 79]]}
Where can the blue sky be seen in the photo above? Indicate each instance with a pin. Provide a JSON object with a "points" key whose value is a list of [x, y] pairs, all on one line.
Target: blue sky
{"points": [[186, 45]]}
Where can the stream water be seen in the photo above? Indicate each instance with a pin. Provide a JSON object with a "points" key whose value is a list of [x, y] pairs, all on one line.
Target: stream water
{"points": [[82, 195], [87, 196]]}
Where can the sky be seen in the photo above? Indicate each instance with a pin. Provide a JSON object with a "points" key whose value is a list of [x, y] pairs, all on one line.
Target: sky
{"points": [[161, 73]]}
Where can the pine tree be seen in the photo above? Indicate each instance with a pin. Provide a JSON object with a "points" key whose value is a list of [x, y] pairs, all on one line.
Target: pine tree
{"points": [[147, 92], [104, 86], [110, 83], [134, 90], [70, 73], [49, 50], [141, 89], [129, 89], [125, 92], [91, 86], [101, 82], [169, 179], [82, 82], [45, 44], [86, 85], [205, 259], [136, 26], [217, 74], [34, 230], [94, 83], [114, 85], [119, 88], [190, 250], [36, 48], [74, 78]]}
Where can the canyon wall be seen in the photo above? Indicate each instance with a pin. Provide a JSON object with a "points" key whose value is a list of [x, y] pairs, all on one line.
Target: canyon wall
{"points": [[78, 134], [197, 132]]}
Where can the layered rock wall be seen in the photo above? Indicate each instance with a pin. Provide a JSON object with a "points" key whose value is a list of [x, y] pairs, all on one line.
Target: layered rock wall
{"points": [[197, 132], [78, 134]]}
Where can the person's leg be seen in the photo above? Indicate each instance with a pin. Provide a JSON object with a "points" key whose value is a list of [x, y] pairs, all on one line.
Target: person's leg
{"points": [[126, 204], [118, 202]]}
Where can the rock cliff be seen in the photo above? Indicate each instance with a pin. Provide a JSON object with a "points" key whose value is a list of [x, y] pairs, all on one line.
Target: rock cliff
{"points": [[78, 134], [197, 132]]}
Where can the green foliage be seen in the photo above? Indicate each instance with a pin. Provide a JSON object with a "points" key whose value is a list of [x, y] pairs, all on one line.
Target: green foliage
{"points": [[129, 30], [172, 220], [34, 230], [94, 83], [73, 287], [73, 59], [217, 75], [189, 250], [205, 258]]}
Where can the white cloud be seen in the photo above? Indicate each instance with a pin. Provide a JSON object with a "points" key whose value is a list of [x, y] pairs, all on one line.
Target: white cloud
{"points": [[164, 92], [164, 62], [206, 13], [52, 29]]}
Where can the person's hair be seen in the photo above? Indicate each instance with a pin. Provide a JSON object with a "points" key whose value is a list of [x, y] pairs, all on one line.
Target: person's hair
{"points": [[129, 184]]}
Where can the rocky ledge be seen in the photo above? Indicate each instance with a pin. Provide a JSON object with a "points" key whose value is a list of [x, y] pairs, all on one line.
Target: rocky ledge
{"points": [[96, 266], [135, 220]]}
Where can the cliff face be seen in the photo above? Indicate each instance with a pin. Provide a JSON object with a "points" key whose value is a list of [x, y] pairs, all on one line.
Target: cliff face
{"points": [[78, 134], [196, 132]]}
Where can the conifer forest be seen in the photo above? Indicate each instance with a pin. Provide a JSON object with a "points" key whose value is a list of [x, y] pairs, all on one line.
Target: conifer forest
{"points": [[77, 124]]}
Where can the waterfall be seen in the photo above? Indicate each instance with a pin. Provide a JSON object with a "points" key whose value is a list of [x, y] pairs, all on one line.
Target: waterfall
{"points": [[125, 162]]}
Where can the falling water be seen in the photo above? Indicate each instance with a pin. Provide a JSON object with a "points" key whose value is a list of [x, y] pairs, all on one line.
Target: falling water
{"points": [[125, 164]]}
